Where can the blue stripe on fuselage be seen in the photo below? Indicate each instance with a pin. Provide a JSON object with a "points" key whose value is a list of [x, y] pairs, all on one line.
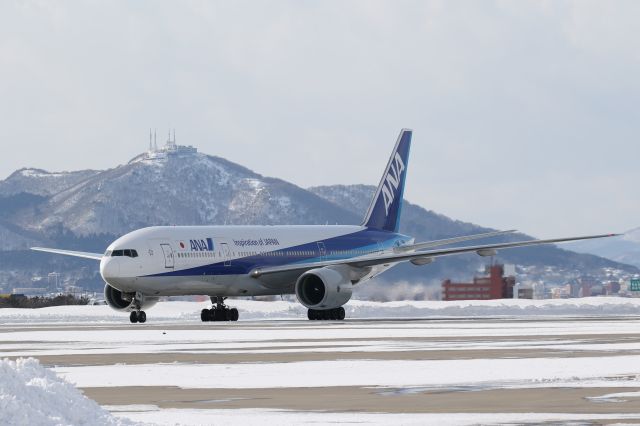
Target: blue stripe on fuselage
{"points": [[336, 248]]}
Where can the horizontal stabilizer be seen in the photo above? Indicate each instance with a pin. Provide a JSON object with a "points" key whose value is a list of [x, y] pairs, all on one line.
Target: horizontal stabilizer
{"points": [[83, 254]]}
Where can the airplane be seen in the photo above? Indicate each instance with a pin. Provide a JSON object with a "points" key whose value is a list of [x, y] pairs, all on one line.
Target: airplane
{"points": [[320, 264]]}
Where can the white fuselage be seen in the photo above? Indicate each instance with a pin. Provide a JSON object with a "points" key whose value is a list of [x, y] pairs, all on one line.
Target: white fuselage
{"points": [[217, 260]]}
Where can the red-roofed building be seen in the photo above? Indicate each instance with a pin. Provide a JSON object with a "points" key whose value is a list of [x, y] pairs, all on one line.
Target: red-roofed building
{"points": [[495, 286]]}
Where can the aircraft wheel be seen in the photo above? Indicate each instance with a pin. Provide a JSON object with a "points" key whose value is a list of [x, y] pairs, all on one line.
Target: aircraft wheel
{"points": [[218, 314], [204, 315], [142, 317], [336, 314], [233, 314], [133, 317]]}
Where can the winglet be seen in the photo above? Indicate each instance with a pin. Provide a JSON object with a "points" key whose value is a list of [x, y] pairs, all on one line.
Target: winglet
{"points": [[386, 205]]}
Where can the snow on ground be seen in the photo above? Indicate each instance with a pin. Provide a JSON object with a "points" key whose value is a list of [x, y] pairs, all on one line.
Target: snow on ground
{"points": [[256, 310], [58, 402], [228, 335], [483, 373], [33, 395], [88, 347], [284, 417], [316, 337]]}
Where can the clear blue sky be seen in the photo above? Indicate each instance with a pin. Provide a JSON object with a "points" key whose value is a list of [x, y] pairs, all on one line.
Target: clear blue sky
{"points": [[525, 113]]}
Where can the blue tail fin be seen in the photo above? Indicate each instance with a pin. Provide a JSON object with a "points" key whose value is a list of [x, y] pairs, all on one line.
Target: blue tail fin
{"points": [[385, 208]]}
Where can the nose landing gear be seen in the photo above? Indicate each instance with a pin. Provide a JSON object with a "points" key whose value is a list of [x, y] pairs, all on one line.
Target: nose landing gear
{"points": [[138, 315], [220, 312]]}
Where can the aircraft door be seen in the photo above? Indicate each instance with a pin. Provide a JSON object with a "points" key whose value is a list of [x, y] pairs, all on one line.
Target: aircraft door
{"points": [[322, 250], [226, 252], [168, 255]]}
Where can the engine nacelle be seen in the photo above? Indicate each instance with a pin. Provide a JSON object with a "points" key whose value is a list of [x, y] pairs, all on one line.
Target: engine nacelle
{"points": [[127, 301], [324, 288]]}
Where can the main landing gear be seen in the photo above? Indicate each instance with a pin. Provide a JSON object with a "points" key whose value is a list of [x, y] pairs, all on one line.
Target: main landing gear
{"points": [[137, 316], [220, 312], [327, 314]]}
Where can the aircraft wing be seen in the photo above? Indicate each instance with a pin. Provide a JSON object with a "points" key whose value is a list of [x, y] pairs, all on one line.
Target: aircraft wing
{"points": [[437, 243], [84, 254], [422, 257]]}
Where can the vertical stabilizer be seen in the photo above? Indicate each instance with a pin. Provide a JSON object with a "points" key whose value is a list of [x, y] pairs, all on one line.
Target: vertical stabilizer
{"points": [[385, 208]]}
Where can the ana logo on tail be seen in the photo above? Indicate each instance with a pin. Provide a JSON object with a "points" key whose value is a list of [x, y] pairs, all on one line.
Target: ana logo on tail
{"points": [[385, 207], [392, 181]]}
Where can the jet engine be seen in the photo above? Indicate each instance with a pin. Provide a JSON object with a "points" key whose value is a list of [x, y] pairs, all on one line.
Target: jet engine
{"points": [[324, 288], [127, 301]]}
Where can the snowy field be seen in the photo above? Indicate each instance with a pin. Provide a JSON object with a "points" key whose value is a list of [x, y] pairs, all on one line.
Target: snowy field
{"points": [[445, 363]]}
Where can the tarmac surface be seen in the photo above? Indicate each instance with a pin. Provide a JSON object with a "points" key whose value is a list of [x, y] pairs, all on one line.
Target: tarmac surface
{"points": [[281, 342]]}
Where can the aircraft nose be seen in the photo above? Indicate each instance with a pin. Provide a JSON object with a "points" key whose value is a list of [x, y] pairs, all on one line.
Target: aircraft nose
{"points": [[109, 268]]}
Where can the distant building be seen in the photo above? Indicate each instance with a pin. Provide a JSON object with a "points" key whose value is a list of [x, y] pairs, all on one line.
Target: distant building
{"points": [[53, 279], [30, 291], [575, 288], [522, 291], [612, 287], [495, 286], [588, 287], [562, 292], [525, 293], [538, 290]]}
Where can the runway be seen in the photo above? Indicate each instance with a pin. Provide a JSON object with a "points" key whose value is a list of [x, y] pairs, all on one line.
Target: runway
{"points": [[458, 371]]}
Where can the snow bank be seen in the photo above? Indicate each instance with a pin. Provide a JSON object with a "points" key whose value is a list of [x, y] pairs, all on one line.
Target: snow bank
{"points": [[255, 310], [588, 306], [32, 395]]}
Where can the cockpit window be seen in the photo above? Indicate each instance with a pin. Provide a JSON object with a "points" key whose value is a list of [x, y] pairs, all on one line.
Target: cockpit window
{"points": [[108, 253], [125, 252]]}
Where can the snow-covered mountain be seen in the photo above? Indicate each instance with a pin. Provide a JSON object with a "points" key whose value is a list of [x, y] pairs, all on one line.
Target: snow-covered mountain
{"points": [[187, 189], [42, 182]]}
